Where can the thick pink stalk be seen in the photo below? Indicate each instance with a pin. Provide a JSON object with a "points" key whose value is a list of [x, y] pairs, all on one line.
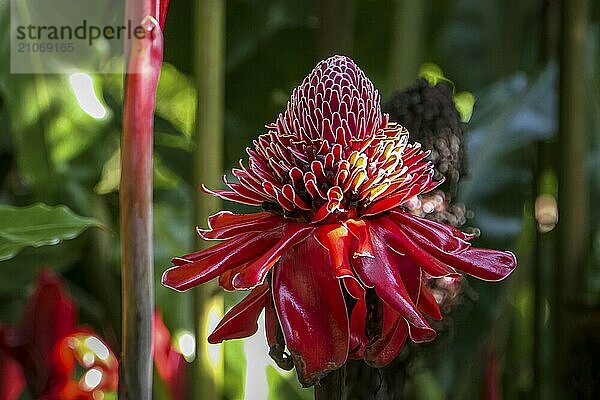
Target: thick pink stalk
{"points": [[143, 69]]}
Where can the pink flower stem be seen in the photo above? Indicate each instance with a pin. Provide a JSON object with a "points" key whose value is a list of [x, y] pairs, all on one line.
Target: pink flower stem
{"points": [[141, 80]]}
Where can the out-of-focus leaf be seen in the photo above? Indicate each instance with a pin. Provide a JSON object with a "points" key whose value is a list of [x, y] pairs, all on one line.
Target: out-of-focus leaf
{"points": [[16, 273], [59, 127], [50, 128], [172, 141], [38, 225], [173, 223], [111, 175], [173, 229], [173, 124], [176, 99], [426, 387], [235, 369], [509, 118], [284, 385], [61, 133]]}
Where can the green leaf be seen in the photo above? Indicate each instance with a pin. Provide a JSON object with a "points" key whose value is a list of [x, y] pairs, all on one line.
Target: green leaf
{"points": [[433, 74], [510, 117], [464, 102], [38, 225]]}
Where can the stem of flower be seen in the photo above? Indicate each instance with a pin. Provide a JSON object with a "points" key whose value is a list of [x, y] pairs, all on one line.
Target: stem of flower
{"points": [[135, 196], [573, 191], [208, 372], [407, 41], [335, 35], [332, 386]]}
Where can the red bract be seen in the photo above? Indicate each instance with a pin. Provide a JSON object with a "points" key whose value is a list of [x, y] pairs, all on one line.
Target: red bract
{"points": [[12, 379], [336, 260], [57, 359], [170, 364]]}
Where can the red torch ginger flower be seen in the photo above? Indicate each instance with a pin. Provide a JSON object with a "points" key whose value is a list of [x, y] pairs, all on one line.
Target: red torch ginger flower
{"points": [[49, 354], [335, 259]]}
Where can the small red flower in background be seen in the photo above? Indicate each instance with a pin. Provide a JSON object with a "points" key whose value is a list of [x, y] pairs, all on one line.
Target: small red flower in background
{"points": [[57, 360], [336, 260], [170, 364], [49, 354], [12, 380]]}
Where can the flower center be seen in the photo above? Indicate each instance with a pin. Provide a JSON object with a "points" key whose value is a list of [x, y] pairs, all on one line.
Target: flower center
{"points": [[332, 154]]}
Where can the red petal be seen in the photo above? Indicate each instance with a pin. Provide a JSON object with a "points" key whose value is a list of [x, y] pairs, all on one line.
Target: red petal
{"points": [[393, 336], [226, 225], [230, 195], [388, 351], [226, 278], [200, 267], [444, 237], [311, 310], [428, 304], [334, 237], [240, 321], [271, 324], [221, 248], [12, 379], [48, 317], [429, 225], [170, 365], [49, 314], [486, 264], [248, 191], [256, 271], [392, 201], [381, 272], [358, 336], [421, 335], [398, 240], [362, 244], [321, 213], [411, 275], [353, 287]]}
